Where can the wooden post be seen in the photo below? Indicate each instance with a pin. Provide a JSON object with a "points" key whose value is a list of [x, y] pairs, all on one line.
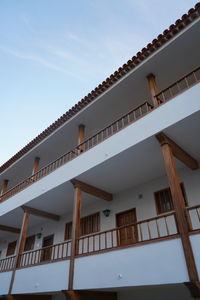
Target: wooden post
{"points": [[75, 233], [179, 207], [36, 165], [153, 88], [4, 186], [20, 246], [81, 136]]}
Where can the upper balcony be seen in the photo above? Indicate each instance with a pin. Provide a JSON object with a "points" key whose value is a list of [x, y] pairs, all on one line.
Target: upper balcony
{"points": [[182, 85], [121, 95]]}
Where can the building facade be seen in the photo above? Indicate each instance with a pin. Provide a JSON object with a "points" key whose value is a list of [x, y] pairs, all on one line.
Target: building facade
{"points": [[105, 202]]}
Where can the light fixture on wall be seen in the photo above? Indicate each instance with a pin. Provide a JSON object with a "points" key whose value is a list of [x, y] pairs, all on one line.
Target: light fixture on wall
{"points": [[106, 212], [39, 235]]}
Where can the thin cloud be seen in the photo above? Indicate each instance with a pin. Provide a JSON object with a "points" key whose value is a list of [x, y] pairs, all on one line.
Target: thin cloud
{"points": [[37, 59]]}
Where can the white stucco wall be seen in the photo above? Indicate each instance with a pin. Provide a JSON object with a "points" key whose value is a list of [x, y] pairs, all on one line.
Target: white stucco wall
{"points": [[5, 278], [44, 278], [156, 263], [142, 129], [195, 241]]}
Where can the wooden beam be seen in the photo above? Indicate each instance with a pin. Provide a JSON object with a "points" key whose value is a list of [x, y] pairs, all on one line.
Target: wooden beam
{"points": [[89, 295], [177, 151], [89, 189], [40, 213], [179, 207], [75, 233], [153, 88], [20, 247], [4, 186], [9, 229], [36, 165]]}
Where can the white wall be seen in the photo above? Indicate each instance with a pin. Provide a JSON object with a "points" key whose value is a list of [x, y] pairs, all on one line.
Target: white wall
{"points": [[44, 278], [195, 241], [145, 127], [5, 278], [156, 263]]}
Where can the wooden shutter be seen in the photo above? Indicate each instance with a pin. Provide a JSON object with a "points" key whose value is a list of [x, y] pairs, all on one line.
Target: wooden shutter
{"points": [[29, 244], [11, 248], [89, 224]]}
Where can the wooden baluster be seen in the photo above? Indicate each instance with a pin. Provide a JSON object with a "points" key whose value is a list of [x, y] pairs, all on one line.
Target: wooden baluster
{"points": [[158, 230], [105, 236], [167, 229], [140, 227], [149, 232]]}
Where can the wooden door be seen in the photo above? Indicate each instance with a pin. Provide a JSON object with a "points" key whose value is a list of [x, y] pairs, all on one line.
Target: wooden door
{"points": [[29, 244], [47, 242], [128, 234]]}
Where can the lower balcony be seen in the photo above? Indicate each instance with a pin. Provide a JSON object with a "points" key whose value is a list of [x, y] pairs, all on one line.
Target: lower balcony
{"points": [[147, 252]]}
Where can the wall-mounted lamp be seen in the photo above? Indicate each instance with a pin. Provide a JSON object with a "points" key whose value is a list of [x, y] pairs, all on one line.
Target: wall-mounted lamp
{"points": [[39, 235], [106, 212]]}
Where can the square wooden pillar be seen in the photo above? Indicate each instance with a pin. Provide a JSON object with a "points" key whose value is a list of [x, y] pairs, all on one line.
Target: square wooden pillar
{"points": [[75, 232], [179, 207]]}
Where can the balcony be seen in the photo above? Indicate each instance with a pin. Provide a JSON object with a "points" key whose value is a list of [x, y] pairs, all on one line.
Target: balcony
{"points": [[143, 232], [162, 97]]}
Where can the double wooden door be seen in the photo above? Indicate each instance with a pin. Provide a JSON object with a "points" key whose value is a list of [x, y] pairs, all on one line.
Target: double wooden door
{"points": [[127, 234]]}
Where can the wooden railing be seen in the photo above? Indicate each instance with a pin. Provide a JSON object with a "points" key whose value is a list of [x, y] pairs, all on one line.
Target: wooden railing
{"points": [[45, 255], [179, 86], [193, 214], [139, 232], [99, 137], [7, 263]]}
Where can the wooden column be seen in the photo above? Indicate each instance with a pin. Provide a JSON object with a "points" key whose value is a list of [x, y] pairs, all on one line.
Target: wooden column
{"points": [[81, 135], [153, 88], [4, 186], [20, 246], [75, 233], [36, 165], [179, 207]]}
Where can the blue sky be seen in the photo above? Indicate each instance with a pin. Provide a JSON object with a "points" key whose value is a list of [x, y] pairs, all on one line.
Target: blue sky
{"points": [[53, 52]]}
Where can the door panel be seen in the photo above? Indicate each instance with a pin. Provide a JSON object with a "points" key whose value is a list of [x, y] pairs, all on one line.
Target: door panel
{"points": [[46, 253], [128, 234]]}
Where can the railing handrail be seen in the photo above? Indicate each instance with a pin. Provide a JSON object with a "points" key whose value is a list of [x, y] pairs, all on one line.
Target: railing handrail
{"points": [[8, 257], [193, 207], [72, 151], [47, 247], [172, 213], [180, 79]]}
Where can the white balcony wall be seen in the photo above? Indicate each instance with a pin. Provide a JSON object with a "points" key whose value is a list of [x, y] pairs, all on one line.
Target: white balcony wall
{"points": [[177, 109], [5, 278], [44, 278], [157, 263], [195, 241]]}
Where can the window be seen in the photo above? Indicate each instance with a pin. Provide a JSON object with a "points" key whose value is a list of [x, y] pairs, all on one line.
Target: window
{"points": [[89, 224], [163, 200], [11, 248], [29, 244]]}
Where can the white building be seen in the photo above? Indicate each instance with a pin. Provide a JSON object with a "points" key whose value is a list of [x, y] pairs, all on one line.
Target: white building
{"points": [[105, 203]]}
